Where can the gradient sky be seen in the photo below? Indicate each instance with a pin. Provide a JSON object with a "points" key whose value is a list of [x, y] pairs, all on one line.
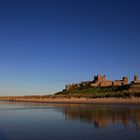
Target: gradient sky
{"points": [[45, 44]]}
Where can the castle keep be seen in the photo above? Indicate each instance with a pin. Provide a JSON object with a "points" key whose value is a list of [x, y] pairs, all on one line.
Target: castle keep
{"points": [[102, 81]]}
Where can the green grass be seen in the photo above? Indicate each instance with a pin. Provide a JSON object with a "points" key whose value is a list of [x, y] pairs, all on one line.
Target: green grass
{"points": [[98, 92]]}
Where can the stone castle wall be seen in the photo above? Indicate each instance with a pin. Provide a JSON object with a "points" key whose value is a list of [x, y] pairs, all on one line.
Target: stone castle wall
{"points": [[106, 83], [117, 83]]}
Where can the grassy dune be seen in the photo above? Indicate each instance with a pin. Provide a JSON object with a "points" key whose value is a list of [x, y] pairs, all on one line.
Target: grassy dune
{"points": [[101, 92]]}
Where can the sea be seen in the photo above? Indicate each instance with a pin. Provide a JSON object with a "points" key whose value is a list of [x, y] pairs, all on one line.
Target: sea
{"points": [[51, 121]]}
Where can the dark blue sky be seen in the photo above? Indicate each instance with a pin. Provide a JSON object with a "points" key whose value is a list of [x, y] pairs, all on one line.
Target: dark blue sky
{"points": [[45, 44]]}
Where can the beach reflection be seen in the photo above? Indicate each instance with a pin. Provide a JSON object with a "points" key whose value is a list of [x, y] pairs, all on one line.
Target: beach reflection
{"points": [[103, 116]]}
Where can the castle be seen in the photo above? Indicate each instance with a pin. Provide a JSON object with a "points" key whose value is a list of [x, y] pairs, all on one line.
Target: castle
{"points": [[101, 81]]}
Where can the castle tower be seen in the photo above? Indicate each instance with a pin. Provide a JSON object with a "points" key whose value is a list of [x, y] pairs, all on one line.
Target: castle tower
{"points": [[101, 78], [125, 80], [104, 77], [136, 78]]}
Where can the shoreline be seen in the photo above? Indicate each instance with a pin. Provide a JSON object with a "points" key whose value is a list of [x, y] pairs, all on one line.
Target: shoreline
{"points": [[111, 101]]}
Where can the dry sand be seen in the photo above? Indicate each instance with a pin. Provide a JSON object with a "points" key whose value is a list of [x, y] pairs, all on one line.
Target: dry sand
{"points": [[131, 101]]}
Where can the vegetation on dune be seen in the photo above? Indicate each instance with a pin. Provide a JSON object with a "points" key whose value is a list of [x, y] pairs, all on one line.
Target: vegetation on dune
{"points": [[99, 92]]}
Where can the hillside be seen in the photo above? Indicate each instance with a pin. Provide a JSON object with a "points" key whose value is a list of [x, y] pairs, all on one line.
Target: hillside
{"points": [[100, 92]]}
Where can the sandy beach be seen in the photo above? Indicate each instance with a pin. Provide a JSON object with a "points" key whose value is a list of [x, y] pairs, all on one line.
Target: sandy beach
{"points": [[129, 101]]}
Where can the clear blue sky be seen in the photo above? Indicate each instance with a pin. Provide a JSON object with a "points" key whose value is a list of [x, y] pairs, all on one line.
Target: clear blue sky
{"points": [[45, 44]]}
